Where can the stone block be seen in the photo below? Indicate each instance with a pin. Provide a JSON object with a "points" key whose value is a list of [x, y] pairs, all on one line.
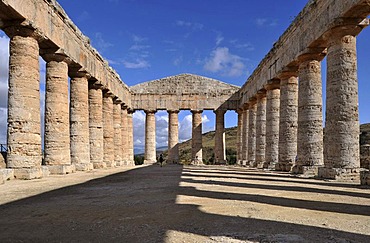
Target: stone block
{"points": [[100, 165], [365, 177], [84, 167], [45, 171], [6, 174], [340, 174], [61, 169], [2, 162], [28, 173]]}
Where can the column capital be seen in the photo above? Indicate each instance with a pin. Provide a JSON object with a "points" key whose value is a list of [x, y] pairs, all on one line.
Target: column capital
{"points": [[272, 84], [78, 72], [239, 111], [288, 72], [22, 28], [173, 111], [252, 101], [107, 93], [220, 111], [261, 94], [150, 111], [313, 54], [55, 55], [117, 101], [196, 111], [345, 26], [124, 106]]}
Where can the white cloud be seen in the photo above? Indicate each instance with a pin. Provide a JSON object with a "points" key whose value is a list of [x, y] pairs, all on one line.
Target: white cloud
{"points": [[84, 16], [138, 63], [266, 22], [138, 54], [137, 47], [223, 62], [219, 39], [193, 26], [101, 44], [178, 60]]}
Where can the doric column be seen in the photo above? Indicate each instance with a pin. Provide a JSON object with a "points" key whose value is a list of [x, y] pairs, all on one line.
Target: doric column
{"points": [[310, 131], [239, 138], [108, 129], [24, 132], [96, 126], [56, 138], [196, 141], [272, 122], [261, 130], [341, 140], [117, 140], [252, 132], [220, 150], [124, 135], [288, 121], [245, 130], [130, 136], [150, 143], [173, 136], [79, 121]]}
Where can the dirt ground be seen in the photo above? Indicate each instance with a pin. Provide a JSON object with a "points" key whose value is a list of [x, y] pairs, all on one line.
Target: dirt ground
{"points": [[183, 204]]}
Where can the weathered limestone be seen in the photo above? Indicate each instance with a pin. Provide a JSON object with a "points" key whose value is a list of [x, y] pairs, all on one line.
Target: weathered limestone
{"points": [[108, 129], [239, 139], [173, 136], [196, 141], [310, 131], [272, 122], [150, 143], [261, 130], [341, 141], [220, 150], [288, 121], [124, 135], [252, 132], [96, 126], [24, 133], [245, 130], [57, 139], [79, 121], [130, 145], [117, 140]]}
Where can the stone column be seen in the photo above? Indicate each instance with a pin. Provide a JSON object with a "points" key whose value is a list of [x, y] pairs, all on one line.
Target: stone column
{"points": [[79, 121], [310, 131], [56, 139], [150, 143], [96, 126], [341, 140], [124, 136], [24, 132], [130, 136], [220, 150], [239, 137], [272, 122], [173, 137], [288, 121], [196, 141], [252, 132], [108, 129], [261, 130], [245, 135], [117, 140]]}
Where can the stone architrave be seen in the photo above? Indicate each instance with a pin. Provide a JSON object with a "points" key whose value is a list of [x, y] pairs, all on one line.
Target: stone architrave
{"points": [[130, 136], [173, 136], [108, 132], [79, 122], [24, 132], [245, 135], [252, 132], [341, 140], [57, 136], [117, 140], [288, 121], [124, 135], [96, 126], [272, 122], [239, 141], [220, 149], [150, 138], [261, 130], [310, 132], [196, 141]]}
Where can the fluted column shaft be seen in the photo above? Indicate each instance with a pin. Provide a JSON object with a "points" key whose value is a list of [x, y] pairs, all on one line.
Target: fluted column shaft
{"points": [[117, 140], [252, 133], [79, 122], [245, 136], [239, 137], [124, 136], [341, 144], [173, 137], [220, 150], [150, 143], [261, 130], [310, 131], [288, 122], [130, 135], [108, 131], [24, 132], [196, 141], [272, 124]]}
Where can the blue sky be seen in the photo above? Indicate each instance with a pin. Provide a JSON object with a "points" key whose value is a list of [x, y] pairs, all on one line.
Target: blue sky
{"points": [[145, 40]]}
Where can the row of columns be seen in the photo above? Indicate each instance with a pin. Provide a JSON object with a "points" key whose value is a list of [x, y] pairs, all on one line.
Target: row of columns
{"points": [[173, 137], [90, 129], [281, 127]]}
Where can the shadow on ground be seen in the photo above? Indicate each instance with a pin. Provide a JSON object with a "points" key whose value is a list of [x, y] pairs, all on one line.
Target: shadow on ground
{"points": [[140, 206]]}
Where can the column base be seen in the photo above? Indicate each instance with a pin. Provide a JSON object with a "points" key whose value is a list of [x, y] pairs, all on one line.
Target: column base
{"points": [[61, 169], [28, 173], [110, 164], [84, 167], [130, 163], [306, 170], [263, 165], [283, 167], [100, 165], [149, 162], [253, 164], [120, 163], [340, 174], [365, 177], [197, 162], [6, 174]]}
